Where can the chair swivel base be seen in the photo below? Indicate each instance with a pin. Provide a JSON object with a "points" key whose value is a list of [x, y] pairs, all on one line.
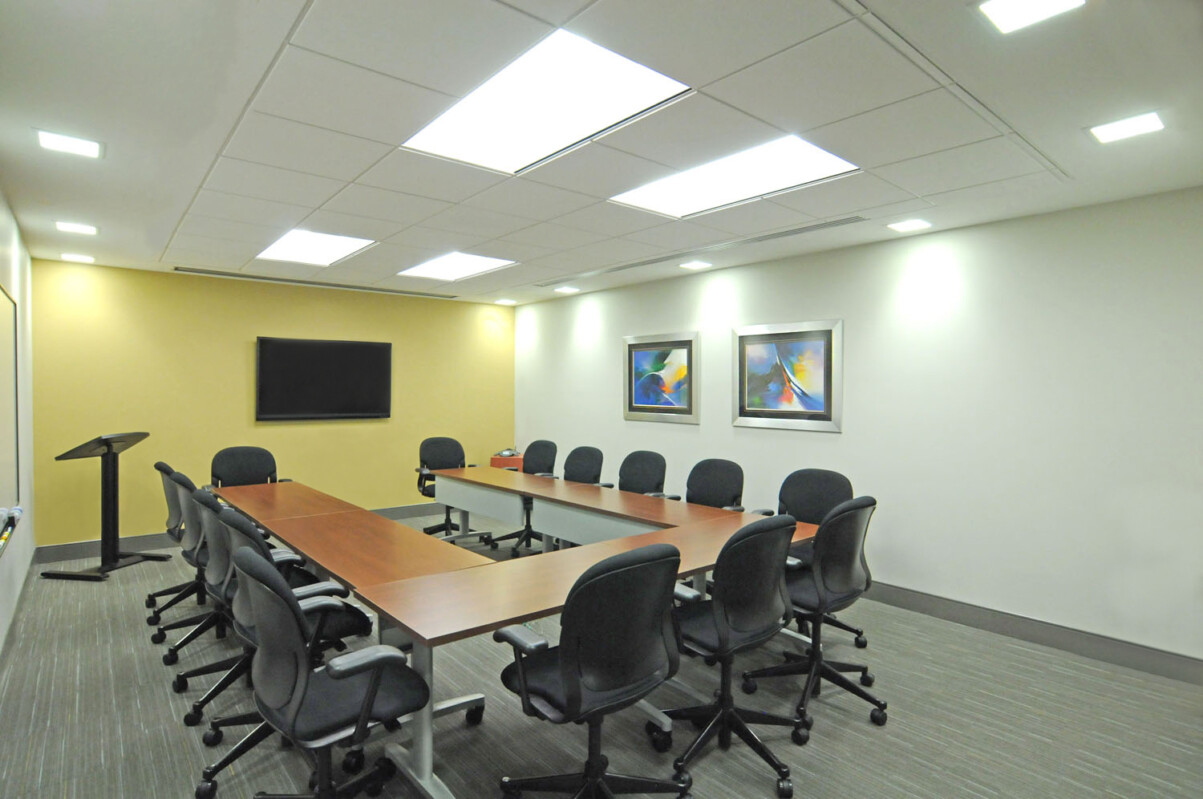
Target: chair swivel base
{"points": [[830, 670], [370, 782]]}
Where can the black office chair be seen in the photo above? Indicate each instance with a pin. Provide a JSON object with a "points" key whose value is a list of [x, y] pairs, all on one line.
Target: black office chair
{"points": [[433, 454], [193, 550], [174, 528], [833, 582], [748, 606], [715, 482], [318, 708], [641, 472], [539, 459], [616, 646], [240, 466]]}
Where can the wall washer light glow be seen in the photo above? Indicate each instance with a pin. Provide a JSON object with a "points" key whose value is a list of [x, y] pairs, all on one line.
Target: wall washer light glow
{"points": [[75, 257], [695, 265], [562, 91], [909, 225], [316, 249], [784, 163], [505, 302], [567, 290], [76, 227], [931, 287], [68, 144], [455, 266], [1127, 128], [1011, 15]]}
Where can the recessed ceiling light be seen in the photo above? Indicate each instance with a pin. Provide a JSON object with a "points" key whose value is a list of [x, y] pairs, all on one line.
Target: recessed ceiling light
{"points": [[77, 258], [910, 225], [455, 266], [695, 265], [76, 227], [1011, 15], [505, 302], [782, 164], [1127, 128], [567, 290], [562, 91], [316, 249], [68, 144]]}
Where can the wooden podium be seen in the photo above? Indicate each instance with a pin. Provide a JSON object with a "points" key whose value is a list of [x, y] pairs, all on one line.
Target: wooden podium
{"points": [[107, 448]]}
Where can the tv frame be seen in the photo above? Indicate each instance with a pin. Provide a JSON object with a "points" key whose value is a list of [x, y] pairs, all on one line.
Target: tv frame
{"points": [[259, 417]]}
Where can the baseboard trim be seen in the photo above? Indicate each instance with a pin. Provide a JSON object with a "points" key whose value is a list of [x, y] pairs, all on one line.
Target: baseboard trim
{"points": [[1091, 645], [53, 553], [410, 511]]}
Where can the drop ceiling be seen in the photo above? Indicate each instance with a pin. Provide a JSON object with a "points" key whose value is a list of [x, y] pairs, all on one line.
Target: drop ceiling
{"points": [[225, 123]]}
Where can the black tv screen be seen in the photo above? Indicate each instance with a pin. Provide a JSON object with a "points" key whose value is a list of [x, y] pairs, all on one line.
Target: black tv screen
{"points": [[309, 379]]}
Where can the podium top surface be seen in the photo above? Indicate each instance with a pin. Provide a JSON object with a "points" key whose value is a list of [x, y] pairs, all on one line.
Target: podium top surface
{"points": [[101, 445]]}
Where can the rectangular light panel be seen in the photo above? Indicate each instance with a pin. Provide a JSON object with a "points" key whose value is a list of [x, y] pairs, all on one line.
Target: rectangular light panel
{"points": [[455, 266], [560, 92], [316, 249], [68, 144], [766, 169], [76, 227], [909, 225], [1127, 128], [1011, 15], [77, 258]]}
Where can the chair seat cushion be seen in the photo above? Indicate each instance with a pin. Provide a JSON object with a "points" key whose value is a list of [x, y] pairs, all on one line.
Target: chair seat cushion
{"points": [[344, 624], [199, 559], [804, 551], [804, 594], [696, 621], [545, 685], [428, 489]]}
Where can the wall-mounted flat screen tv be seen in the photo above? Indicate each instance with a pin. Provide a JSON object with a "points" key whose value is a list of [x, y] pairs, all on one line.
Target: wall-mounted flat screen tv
{"points": [[310, 379]]}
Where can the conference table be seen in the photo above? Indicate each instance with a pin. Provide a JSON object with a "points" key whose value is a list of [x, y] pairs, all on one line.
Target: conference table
{"points": [[436, 593]]}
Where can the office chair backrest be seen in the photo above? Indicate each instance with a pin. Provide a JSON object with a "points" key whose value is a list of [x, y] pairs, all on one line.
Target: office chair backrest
{"points": [[219, 571], [715, 482], [839, 549], [280, 670], [175, 513], [540, 457], [441, 453], [242, 533], [616, 628], [809, 494], [750, 593], [240, 466], [583, 465], [194, 533], [642, 472]]}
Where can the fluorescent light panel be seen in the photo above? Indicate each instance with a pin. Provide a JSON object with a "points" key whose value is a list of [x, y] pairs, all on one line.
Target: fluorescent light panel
{"points": [[695, 265], [1127, 128], [76, 227], [1011, 15], [505, 302], [317, 249], [77, 258], [455, 266], [766, 169], [68, 144], [567, 290], [560, 92], [910, 225]]}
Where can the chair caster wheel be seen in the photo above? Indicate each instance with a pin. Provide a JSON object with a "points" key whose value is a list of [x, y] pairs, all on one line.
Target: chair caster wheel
{"points": [[492, 545], [661, 741], [375, 788], [353, 762], [206, 790], [748, 686], [514, 552], [785, 788], [193, 717], [212, 736], [474, 715], [150, 602], [709, 661], [508, 791], [170, 657], [800, 736], [808, 721], [153, 620], [158, 637], [878, 717], [685, 779], [867, 679], [179, 684], [860, 641]]}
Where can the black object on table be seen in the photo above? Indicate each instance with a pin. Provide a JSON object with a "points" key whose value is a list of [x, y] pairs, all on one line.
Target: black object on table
{"points": [[107, 448]]}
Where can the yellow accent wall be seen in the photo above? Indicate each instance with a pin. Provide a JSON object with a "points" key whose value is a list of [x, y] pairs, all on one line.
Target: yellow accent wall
{"points": [[123, 350]]}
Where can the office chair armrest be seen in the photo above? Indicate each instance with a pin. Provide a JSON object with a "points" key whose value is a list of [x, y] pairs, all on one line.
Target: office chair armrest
{"points": [[604, 485], [423, 470], [523, 639], [763, 512], [683, 593], [284, 557], [545, 474], [320, 604], [469, 465], [736, 508], [793, 564], [324, 588], [676, 497], [283, 479], [510, 468], [349, 664]]}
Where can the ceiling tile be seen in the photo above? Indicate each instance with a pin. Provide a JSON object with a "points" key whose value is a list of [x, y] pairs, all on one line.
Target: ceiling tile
{"points": [[842, 196], [361, 227], [555, 237], [556, 12], [304, 148], [211, 226], [959, 168], [758, 216], [439, 240], [610, 251], [1014, 195], [510, 250], [451, 46], [270, 183], [526, 198], [679, 235], [383, 204], [463, 219], [283, 269], [691, 131], [181, 256], [427, 176], [237, 251], [843, 72], [699, 41], [381, 261], [312, 88], [418, 285], [237, 208], [599, 171], [611, 218], [516, 275], [916, 126]]}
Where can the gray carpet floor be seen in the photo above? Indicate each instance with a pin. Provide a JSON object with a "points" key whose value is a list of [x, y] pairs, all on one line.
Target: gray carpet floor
{"points": [[86, 710]]}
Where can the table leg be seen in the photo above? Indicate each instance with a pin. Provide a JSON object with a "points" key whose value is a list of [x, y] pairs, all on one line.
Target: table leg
{"points": [[417, 763]]}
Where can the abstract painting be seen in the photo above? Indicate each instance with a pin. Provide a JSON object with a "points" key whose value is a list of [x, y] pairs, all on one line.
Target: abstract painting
{"points": [[788, 376], [660, 382]]}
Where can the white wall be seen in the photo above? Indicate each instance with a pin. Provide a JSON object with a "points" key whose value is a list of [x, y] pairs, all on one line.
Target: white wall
{"points": [[1024, 399], [18, 552]]}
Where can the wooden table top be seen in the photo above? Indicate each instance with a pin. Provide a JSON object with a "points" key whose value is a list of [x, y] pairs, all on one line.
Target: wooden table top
{"points": [[265, 502]]}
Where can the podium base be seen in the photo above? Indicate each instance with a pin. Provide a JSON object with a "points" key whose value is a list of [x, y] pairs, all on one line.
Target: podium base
{"points": [[102, 572]]}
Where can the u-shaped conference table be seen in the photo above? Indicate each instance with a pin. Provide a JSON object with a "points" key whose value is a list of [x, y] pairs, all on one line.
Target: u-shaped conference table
{"points": [[435, 593]]}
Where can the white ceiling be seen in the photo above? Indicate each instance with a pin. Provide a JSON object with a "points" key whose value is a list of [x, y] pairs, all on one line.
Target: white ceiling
{"points": [[227, 122]]}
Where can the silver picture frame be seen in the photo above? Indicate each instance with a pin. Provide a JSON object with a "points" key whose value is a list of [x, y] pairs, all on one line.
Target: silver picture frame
{"points": [[829, 419], [688, 413]]}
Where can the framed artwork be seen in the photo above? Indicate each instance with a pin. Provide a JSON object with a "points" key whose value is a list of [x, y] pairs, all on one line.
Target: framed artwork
{"points": [[660, 383], [790, 376]]}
